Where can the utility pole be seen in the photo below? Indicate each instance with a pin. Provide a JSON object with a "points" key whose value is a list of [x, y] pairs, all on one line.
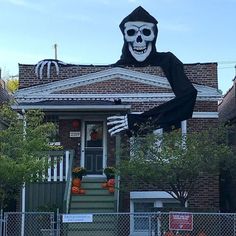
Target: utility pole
{"points": [[55, 50]]}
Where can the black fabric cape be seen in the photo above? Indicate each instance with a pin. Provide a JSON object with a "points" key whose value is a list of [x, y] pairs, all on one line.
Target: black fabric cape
{"points": [[177, 109]]}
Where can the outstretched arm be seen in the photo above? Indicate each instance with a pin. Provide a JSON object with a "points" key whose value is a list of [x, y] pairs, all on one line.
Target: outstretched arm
{"points": [[178, 109]]}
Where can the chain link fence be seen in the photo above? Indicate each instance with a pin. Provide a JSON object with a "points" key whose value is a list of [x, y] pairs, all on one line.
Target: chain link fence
{"points": [[118, 224]]}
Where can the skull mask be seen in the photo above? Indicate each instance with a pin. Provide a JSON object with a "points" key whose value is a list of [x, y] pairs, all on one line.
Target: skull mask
{"points": [[139, 36]]}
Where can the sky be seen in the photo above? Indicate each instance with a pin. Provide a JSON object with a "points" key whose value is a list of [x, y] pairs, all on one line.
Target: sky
{"points": [[87, 31]]}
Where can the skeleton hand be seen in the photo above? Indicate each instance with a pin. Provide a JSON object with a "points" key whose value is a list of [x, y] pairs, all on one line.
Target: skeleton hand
{"points": [[48, 62], [118, 124]]}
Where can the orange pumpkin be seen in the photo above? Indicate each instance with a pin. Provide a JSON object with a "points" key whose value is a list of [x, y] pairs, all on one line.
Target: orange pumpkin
{"points": [[104, 185], [76, 182], [111, 182], [81, 191], [111, 189], [75, 190], [169, 233]]}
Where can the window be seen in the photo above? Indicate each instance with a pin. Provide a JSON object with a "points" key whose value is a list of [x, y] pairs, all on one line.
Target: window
{"points": [[145, 202]]}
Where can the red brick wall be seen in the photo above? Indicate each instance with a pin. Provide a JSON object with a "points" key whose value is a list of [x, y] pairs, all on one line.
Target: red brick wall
{"points": [[200, 73], [207, 195], [65, 126]]}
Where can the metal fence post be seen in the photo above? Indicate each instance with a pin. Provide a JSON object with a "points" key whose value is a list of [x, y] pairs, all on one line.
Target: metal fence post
{"points": [[150, 225], [1, 222], [5, 224], [58, 223], [234, 224]]}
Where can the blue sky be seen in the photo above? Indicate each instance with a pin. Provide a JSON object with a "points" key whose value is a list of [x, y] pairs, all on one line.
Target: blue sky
{"points": [[87, 31]]}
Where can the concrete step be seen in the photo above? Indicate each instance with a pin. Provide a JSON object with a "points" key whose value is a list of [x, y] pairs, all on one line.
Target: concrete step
{"points": [[96, 199], [91, 210], [90, 198], [95, 205]]}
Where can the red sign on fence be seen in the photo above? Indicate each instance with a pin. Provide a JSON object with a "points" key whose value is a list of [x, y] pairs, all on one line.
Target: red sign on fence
{"points": [[181, 221]]}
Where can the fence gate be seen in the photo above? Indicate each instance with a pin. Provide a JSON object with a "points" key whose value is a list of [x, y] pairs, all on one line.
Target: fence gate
{"points": [[28, 224]]}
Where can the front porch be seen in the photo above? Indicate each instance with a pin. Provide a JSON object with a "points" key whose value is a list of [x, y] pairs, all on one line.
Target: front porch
{"points": [[54, 191]]}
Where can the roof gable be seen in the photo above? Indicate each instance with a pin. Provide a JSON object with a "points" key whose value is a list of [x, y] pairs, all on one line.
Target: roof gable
{"points": [[57, 89]]}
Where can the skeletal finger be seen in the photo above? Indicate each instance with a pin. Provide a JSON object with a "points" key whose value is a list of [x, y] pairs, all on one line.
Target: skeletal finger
{"points": [[41, 69], [115, 122], [56, 66], [118, 130], [48, 69], [115, 118], [37, 68], [116, 127]]}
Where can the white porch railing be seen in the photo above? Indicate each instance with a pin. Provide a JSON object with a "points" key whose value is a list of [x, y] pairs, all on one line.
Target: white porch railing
{"points": [[58, 162]]}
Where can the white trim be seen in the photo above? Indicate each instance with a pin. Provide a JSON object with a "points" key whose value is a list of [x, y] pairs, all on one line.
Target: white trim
{"points": [[75, 107], [90, 78], [48, 91], [150, 195], [129, 97], [205, 114]]}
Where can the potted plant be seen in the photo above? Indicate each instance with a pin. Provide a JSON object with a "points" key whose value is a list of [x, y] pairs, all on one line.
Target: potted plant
{"points": [[79, 172], [110, 172]]}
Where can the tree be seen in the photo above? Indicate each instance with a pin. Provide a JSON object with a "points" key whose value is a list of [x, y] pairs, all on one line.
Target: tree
{"points": [[22, 150], [12, 83], [175, 161]]}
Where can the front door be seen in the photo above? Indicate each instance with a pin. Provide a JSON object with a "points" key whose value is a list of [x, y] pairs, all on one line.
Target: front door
{"points": [[94, 147]]}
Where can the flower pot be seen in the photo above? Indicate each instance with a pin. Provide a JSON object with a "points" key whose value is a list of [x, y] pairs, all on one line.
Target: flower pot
{"points": [[76, 182], [75, 190]]}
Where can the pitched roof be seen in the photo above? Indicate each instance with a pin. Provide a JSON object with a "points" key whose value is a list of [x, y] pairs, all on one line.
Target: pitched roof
{"points": [[54, 91], [4, 96]]}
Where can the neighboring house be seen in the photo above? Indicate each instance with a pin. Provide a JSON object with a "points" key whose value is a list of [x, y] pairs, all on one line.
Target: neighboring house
{"points": [[80, 98], [4, 98], [227, 115]]}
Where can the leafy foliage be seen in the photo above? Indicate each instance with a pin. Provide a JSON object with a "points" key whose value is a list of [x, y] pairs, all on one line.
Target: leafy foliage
{"points": [[12, 84], [23, 149], [175, 161]]}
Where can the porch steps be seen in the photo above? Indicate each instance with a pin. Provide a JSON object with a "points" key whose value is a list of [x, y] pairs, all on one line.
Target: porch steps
{"points": [[95, 200]]}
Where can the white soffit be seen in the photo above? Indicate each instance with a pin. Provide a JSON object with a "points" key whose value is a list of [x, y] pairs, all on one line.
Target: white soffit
{"points": [[47, 91]]}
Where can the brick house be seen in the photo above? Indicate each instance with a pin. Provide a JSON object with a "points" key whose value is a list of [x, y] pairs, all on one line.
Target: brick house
{"points": [[4, 98], [80, 98], [227, 115]]}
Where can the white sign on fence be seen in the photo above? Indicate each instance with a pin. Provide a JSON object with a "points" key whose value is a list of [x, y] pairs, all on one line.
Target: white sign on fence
{"points": [[77, 218]]}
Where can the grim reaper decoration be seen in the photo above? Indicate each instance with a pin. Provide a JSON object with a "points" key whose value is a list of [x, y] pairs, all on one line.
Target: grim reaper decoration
{"points": [[140, 33]]}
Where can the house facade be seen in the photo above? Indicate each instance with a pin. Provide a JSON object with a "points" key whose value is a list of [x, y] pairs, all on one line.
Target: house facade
{"points": [[4, 98], [227, 115], [80, 99]]}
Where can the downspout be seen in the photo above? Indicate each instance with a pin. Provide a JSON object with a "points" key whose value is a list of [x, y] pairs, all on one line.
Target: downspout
{"points": [[118, 145], [23, 187]]}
